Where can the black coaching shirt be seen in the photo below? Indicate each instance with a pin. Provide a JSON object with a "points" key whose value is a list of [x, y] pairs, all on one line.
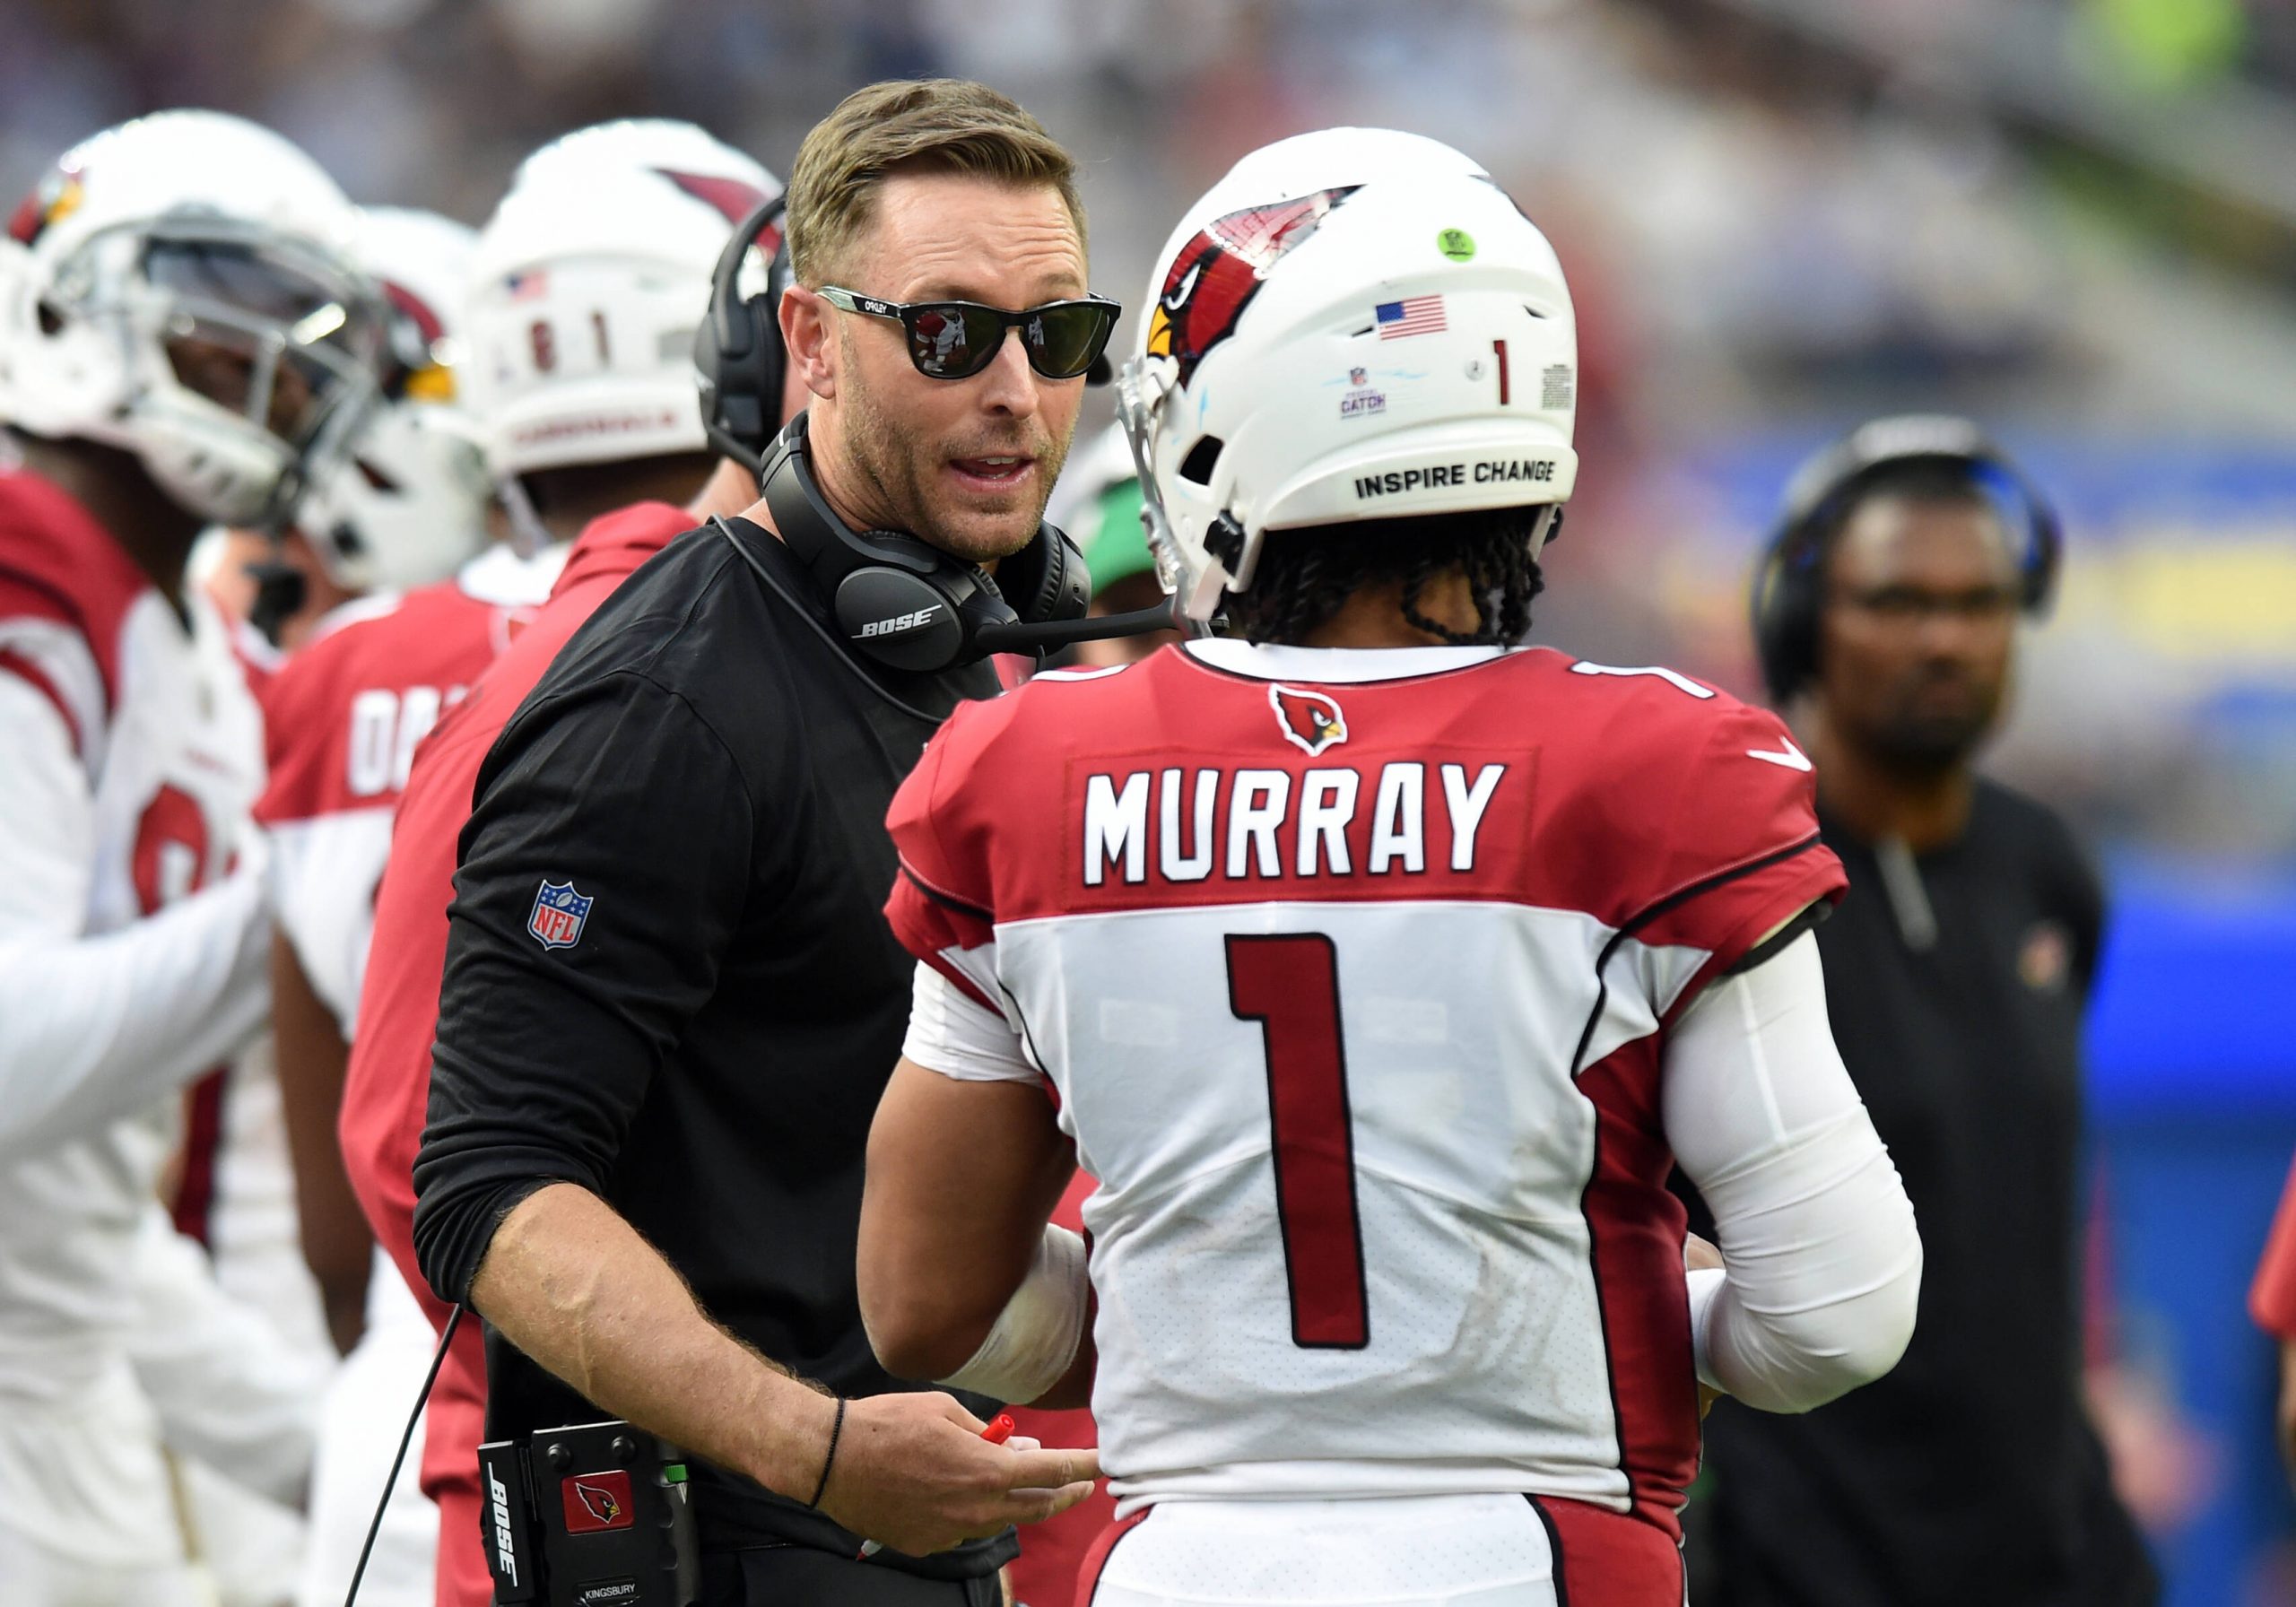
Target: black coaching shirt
{"points": [[1970, 1475], [668, 979]]}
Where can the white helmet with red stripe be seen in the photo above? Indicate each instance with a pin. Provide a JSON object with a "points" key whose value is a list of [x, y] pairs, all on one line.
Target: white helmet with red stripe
{"points": [[1353, 325], [589, 281], [183, 287], [406, 505]]}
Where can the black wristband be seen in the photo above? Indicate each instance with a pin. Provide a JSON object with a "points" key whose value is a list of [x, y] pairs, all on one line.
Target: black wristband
{"points": [[835, 1427]]}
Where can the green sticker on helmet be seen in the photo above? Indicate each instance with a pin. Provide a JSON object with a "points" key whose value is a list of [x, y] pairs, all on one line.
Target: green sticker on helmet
{"points": [[1457, 244]]}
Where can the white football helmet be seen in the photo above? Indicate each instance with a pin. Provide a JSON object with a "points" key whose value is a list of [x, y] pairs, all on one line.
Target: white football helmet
{"points": [[589, 281], [406, 505], [1355, 324], [182, 287]]}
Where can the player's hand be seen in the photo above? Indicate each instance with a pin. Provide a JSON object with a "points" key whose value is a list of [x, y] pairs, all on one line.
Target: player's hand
{"points": [[913, 1474]]}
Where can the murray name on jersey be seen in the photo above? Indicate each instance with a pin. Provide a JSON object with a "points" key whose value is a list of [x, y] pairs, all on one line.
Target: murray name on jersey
{"points": [[1184, 825]]}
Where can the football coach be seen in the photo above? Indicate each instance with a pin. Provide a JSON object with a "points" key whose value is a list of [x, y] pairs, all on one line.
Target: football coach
{"points": [[670, 1002], [1957, 973]]}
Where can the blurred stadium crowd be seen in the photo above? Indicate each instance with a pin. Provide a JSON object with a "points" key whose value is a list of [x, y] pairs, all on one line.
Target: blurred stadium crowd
{"points": [[2071, 218]]}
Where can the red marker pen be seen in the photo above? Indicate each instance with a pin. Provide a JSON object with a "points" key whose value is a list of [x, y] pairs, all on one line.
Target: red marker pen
{"points": [[1000, 1429]]}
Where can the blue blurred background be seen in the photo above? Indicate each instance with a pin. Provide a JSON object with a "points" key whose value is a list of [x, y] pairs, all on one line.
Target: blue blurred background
{"points": [[2073, 219]]}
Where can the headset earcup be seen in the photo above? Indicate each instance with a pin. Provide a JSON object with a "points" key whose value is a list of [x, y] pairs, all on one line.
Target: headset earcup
{"points": [[1048, 580], [772, 360], [1785, 622], [737, 349], [903, 620]]}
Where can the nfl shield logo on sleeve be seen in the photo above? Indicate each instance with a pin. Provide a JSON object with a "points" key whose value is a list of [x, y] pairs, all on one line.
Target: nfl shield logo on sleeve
{"points": [[559, 913]]}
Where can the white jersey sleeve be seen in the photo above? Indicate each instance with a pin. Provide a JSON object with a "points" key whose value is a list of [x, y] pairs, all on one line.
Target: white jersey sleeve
{"points": [[229, 1390], [47, 827], [93, 1028], [1822, 1265]]}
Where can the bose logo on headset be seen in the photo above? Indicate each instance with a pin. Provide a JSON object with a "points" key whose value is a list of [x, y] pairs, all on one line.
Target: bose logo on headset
{"points": [[900, 622]]}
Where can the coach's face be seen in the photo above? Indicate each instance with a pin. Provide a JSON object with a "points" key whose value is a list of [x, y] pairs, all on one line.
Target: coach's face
{"points": [[1918, 623], [966, 464]]}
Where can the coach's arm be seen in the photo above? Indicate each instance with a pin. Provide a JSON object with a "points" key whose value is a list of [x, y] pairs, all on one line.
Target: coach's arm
{"points": [[543, 1061], [962, 1280]]}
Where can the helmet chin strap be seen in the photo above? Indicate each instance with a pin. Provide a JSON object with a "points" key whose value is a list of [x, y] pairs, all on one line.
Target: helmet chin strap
{"points": [[528, 534]]}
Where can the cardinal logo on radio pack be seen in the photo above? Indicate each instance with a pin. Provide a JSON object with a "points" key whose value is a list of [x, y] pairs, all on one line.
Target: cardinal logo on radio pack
{"points": [[597, 1501]]}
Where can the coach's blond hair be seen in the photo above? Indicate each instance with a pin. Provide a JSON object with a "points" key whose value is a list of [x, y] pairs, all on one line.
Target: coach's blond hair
{"points": [[928, 124]]}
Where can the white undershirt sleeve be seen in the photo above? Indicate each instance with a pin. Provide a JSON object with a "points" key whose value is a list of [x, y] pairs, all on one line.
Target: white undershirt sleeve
{"points": [[95, 1029], [1822, 1265], [951, 1033]]}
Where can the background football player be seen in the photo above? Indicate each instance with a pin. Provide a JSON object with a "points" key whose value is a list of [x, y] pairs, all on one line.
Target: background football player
{"points": [[1377, 970], [588, 282], [406, 507], [185, 339]]}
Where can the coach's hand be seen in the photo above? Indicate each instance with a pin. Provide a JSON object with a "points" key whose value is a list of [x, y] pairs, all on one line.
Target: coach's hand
{"points": [[912, 1473]]}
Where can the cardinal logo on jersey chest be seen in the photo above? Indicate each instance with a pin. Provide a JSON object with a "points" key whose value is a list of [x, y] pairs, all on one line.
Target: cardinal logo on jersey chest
{"points": [[1310, 720], [559, 914]]}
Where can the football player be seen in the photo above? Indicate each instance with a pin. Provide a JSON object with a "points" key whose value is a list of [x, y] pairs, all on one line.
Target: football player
{"points": [[185, 338], [588, 285], [1377, 969], [404, 511]]}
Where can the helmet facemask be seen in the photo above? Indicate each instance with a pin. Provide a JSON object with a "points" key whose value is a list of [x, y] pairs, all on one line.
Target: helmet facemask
{"points": [[242, 361]]}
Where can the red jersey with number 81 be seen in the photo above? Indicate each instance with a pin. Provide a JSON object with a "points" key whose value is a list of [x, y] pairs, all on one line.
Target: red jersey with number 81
{"points": [[1351, 972]]}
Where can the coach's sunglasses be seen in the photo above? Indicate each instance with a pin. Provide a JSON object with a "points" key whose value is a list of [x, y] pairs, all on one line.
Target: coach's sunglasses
{"points": [[954, 340]]}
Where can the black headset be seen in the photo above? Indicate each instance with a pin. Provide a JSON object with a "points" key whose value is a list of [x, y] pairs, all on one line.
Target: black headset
{"points": [[1789, 590], [903, 601], [737, 349]]}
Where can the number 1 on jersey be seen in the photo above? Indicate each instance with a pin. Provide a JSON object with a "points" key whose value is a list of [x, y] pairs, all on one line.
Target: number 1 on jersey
{"points": [[1289, 982]]}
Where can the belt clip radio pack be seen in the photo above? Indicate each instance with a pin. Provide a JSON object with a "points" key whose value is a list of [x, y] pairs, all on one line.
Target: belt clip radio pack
{"points": [[593, 1515]]}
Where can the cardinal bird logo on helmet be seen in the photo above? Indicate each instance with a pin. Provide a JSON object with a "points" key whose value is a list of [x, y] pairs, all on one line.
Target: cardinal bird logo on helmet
{"points": [[1310, 720], [1218, 273], [55, 198], [735, 198]]}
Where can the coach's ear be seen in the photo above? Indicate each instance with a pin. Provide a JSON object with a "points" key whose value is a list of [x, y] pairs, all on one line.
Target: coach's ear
{"points": [[813, 355]]}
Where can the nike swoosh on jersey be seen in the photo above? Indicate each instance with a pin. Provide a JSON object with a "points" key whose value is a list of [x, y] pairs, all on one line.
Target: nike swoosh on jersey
{"points": [[1792, 757]]}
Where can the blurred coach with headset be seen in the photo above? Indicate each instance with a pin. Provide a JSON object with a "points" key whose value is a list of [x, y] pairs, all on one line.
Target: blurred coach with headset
{"points": [[1957, 972], [670, 1001]]}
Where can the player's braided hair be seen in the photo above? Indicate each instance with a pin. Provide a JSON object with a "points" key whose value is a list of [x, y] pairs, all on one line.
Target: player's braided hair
{"points": [[1305, 575]]}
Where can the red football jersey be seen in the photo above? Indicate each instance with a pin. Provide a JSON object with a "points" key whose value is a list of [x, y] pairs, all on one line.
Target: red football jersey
{"points": [[1352, 973], [387, 1088], [342, 718]]}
